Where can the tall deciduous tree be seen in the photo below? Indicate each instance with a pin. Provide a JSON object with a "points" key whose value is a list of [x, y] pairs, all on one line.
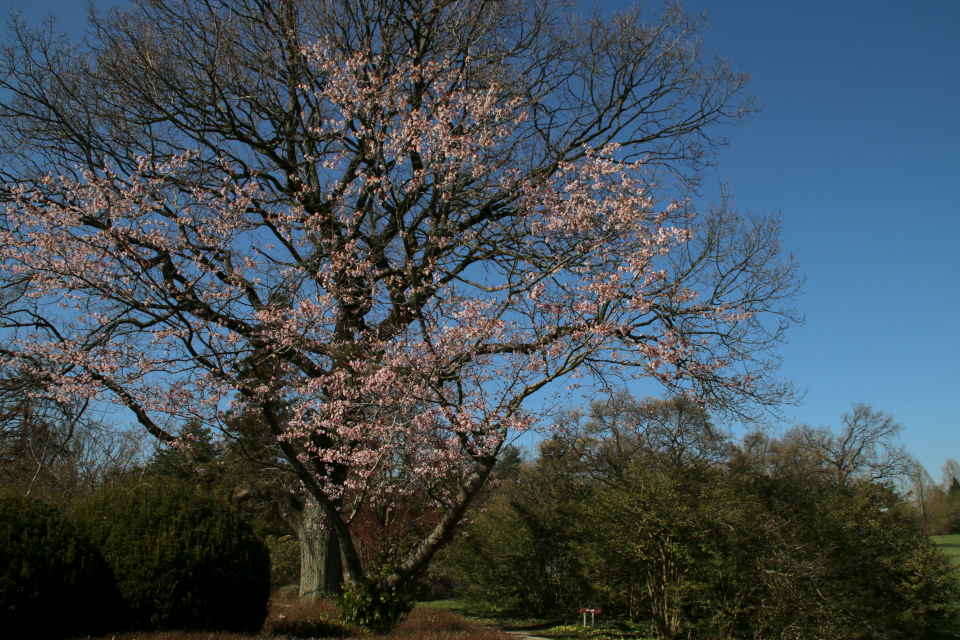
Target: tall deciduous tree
{"points": [[950, 475], [392, 221], [867, 448], [619, 431]]}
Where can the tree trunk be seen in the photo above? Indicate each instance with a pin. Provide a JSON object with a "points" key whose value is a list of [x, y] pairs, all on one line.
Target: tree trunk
{"points": [[321, 571]]}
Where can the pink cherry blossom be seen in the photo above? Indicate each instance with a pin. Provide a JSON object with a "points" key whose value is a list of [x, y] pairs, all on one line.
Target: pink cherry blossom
{"points": [[410, 305]]}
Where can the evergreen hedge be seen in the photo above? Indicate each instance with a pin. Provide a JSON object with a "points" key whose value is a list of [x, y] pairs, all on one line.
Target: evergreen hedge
{"points": [[182, 560], [53, 581]]}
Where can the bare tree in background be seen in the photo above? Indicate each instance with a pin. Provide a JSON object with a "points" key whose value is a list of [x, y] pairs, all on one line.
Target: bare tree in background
{"points": [[950, 475], [867, 448], [620, 431], [919, 487], [60, 450]]}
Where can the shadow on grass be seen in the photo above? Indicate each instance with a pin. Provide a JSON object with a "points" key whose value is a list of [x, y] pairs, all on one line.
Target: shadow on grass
{"points": [[507, 624], [436, 624], [291, 619]]}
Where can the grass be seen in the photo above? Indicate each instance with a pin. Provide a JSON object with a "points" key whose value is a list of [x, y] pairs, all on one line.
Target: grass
{"points": [[606, 629], [290, 619], [950, 545]]}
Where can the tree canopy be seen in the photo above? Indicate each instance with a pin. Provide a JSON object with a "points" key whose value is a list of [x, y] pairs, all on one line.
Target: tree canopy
{"points": [[381, 226]]}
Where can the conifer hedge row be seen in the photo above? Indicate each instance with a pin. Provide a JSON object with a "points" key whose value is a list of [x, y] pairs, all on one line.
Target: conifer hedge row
{"points": [[159, 556], [53, 581]]}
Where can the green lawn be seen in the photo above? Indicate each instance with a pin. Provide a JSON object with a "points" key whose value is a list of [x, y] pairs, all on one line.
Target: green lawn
{"points": [[554, 629], [950, 545]]}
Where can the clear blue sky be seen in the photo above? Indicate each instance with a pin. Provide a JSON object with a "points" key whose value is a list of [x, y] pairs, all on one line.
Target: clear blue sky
{"points": [[858, 146]]}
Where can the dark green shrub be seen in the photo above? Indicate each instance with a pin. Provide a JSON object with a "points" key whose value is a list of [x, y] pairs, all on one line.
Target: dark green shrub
{"points": [[519, 559], [884, 578], [181, 559], [52, 580], [675, 544], [706, 553]]}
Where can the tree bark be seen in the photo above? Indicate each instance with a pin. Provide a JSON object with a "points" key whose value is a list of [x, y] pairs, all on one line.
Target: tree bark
{"points": [[321, 571]]}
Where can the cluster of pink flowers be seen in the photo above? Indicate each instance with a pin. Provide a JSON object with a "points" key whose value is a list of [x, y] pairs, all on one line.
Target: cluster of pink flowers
{"points": [[403, 311]]}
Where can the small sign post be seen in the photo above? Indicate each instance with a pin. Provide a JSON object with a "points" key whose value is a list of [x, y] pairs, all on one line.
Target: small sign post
{"points": [[592, 612]]}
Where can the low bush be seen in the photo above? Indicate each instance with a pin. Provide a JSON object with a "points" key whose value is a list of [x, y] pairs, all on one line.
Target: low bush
{"points": [[52, 580], [182, 560], [377, 611]]}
